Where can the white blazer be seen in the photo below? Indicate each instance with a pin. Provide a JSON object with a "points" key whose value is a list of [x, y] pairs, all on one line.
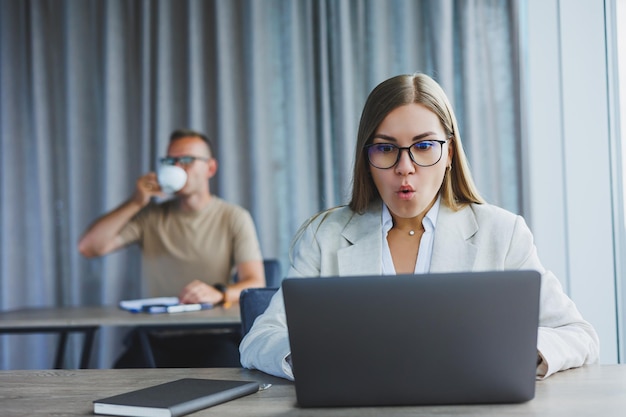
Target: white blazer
{"points": [[478, 237]]}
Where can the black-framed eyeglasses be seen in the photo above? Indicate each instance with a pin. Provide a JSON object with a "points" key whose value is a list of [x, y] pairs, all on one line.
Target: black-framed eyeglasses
{"points": [[184, 161], [424, 153]]}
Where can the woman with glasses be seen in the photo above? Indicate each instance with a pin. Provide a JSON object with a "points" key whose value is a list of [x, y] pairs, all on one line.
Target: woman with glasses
{"points": [[415, 209]]}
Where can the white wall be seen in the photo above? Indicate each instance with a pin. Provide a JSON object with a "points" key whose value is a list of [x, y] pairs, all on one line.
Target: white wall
{"points": [[619, 156], [569, 164]]}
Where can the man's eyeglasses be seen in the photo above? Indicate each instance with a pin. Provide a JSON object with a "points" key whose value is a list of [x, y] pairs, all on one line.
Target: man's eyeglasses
{"points": [[183, 161], [424, 153]]}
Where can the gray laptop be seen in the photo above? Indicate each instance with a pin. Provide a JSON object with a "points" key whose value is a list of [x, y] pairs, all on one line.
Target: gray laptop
{"points": [[459, 338]]}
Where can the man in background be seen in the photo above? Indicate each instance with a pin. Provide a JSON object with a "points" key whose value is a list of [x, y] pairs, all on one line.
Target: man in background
{"points": [[190, 245]]}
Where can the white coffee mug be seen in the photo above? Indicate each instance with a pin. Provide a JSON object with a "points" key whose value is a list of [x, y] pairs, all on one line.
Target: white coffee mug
{"points": [[171, 178]]}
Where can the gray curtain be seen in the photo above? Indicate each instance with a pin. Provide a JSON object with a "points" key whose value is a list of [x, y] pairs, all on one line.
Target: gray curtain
{"points": [[90, 90]]}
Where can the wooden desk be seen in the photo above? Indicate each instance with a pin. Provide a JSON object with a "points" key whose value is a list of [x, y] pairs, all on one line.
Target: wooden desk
{"points": [[87, 320], [589, 391]]}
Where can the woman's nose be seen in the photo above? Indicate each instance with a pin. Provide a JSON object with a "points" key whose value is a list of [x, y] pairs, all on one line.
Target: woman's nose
{"points": [[405, 163]]}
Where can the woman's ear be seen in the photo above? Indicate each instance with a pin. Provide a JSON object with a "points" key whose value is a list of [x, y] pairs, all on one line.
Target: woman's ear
{"points": [[450, 153]]}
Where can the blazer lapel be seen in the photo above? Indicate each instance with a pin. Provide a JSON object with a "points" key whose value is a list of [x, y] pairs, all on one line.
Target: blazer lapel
{"points": [[363, 256], [453, 249]]}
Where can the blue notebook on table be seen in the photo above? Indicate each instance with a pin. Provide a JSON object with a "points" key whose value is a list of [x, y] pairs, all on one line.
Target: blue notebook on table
{"points": [[161, 305]]}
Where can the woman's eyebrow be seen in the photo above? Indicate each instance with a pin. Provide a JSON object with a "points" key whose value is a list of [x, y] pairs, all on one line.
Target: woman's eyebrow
{"points": [[392, 139], [386, 137]]}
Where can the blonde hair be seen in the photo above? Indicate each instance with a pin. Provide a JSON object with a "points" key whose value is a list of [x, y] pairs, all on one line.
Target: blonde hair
{"points": [[457, 189]]}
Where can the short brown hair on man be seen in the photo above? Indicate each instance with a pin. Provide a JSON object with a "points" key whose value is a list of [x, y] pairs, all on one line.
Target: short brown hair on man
{"points": [[185, 133]]}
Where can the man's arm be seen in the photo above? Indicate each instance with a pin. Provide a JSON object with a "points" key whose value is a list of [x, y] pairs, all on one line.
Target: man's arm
{"points": [[251, 274], [102, 236]]}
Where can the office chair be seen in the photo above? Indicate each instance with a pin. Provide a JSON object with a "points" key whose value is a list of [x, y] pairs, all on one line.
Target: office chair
{"points": [[252, 303], [273, 273]]}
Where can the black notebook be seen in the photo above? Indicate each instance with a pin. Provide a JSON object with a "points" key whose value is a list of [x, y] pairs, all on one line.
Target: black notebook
{"points": [[175, 398]]}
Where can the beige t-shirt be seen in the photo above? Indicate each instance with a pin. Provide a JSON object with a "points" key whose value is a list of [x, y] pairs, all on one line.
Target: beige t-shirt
{"points": [[178, 247]]}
